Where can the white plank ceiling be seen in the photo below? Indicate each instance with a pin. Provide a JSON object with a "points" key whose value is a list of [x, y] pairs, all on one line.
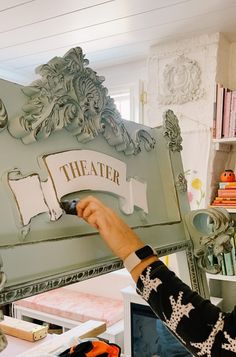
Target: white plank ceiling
{"points": [[109, 31]]}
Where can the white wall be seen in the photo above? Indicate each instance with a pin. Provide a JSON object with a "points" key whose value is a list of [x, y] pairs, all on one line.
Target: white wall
{"points": [[124, 74]]}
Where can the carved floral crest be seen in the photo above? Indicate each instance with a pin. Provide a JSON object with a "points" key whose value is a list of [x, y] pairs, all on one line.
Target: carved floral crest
{"points": [[181, 82], [171, 131], [3, 116], [70, 95]]}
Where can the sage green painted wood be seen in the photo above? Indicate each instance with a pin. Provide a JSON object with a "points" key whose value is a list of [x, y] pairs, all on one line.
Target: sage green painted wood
{"points": [[56, 253], [152, 167]]}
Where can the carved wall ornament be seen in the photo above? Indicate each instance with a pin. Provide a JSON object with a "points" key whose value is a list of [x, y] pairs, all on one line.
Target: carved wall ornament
{"points": [[171, 131], [181, 183], [3, 116], [211, 239], [70, 95], [181, 82]]}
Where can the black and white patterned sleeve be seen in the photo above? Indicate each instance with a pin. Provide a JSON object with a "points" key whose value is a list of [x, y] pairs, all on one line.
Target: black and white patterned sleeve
{"points": [[202, 327]]}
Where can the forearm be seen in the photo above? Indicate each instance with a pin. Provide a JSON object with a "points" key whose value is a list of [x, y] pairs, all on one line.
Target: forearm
{"points": [[203, 328]]}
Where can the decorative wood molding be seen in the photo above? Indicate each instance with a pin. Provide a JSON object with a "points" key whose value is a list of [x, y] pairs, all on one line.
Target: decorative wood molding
{"points": [[70, 95], [3, 339], [47, 283], [181, 183], [210, 236], [3, 279], [181, 82], [171, 131], [3, 116]]}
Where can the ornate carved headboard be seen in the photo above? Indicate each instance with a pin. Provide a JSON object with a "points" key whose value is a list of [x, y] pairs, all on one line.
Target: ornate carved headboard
{"points": [[62, 138]]}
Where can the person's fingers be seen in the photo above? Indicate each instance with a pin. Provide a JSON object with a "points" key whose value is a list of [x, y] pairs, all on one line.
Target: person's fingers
{"points": [[92, 220], [85, 203]]}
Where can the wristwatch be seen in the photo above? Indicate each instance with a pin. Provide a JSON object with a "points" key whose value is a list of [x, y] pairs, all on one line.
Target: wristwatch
{"points": [[136, 257]]}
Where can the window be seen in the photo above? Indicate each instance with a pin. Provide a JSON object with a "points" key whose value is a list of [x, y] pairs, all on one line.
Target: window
{"points": [[128, 101], [123, 104]]}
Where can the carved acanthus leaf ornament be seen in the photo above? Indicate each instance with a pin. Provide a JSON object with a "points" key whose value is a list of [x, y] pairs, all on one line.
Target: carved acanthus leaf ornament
{"points": [[3, 116], [171, 131], [70, 95]]}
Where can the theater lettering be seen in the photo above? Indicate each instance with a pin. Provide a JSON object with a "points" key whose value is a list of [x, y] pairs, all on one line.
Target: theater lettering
{"points": [[75, 169]]}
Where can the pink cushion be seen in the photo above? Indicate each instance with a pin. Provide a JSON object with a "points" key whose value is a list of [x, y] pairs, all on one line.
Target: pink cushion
{"points": [[76, 306]]}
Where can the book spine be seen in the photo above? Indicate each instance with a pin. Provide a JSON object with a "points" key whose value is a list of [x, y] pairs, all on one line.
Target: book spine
{"points": [[226, 199], [229, 263], [227, 193], [214, 114], [222, 265], [219, 110], [232, 115], [233, 251], [226, 115]]}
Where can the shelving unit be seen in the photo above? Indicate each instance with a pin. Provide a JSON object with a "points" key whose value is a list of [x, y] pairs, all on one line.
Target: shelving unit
{"points": [[231, 210], [223, 286], [225, 141], [222, 277]]}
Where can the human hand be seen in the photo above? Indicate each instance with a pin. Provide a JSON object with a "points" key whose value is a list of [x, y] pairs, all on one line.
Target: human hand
{"points": [[115, 232]]}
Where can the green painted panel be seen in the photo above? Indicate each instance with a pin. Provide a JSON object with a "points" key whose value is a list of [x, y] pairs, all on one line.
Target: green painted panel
{"points": [[50, 253]]}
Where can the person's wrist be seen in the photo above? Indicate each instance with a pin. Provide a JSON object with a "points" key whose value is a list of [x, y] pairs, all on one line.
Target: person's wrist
{"points": [[126, 251], [137, 271]]}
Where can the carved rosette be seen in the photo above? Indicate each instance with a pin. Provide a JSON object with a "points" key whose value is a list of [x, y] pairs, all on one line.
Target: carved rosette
{"points": [[181, 183], [3, 116], [70, 95], [211, 231], [181, 82], [171, 131]]}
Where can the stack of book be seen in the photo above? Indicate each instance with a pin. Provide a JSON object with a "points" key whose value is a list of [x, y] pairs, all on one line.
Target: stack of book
{"points": [[224, 120], [226, 195]]}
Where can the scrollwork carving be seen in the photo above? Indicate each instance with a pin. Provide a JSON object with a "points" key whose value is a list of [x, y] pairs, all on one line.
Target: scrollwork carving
{"points": [[171, 131], [3, 116], [181, 82], [181, 183], [211, 231], [3, 340], [70, 95]]}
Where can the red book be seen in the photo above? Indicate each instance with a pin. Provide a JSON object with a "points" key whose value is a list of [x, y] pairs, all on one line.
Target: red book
{"points": [[223, 204]]}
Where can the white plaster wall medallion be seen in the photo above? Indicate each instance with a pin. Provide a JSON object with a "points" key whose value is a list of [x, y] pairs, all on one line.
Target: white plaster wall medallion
{"points": [[70, 95], [171, 131], [3, 116], [181, 82]]}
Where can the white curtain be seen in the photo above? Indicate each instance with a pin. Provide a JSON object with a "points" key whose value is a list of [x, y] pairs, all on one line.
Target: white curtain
{"points": [[195, 156]]}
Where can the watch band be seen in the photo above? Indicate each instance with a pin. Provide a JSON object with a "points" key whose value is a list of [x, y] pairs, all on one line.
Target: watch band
{"points": [[136, 257]]}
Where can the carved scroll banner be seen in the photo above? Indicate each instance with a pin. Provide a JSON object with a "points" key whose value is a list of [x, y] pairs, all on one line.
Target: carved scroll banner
{"points": [[74, 171]]}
